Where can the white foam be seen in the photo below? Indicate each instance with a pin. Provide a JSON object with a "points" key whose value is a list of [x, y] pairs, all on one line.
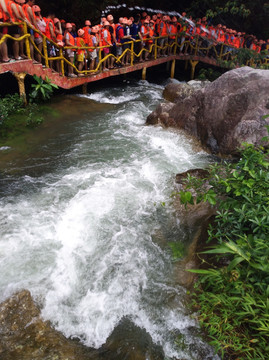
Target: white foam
{"points": [[82, 241], [110, 99]]}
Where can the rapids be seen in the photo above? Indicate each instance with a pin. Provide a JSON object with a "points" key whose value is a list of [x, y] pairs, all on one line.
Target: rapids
{"points": [[83, 223]]}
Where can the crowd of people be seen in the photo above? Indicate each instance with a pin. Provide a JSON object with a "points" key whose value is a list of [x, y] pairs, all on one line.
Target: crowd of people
{"points": [[114, 38]]}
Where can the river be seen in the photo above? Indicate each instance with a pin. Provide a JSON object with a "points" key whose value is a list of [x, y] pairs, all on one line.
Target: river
{"points": [[84, 226]]}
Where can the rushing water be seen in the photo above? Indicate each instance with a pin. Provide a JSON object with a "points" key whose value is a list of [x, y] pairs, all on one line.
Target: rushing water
{"points": [[82, 221]]}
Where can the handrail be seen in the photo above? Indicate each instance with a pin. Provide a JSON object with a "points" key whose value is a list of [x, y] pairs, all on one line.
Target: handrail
{"points": [[191, 44]]}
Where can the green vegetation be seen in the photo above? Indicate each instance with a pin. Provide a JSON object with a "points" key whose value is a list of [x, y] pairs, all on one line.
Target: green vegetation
{"points": [[14, 116], [232, 294], [208, 74], [42, 90]]}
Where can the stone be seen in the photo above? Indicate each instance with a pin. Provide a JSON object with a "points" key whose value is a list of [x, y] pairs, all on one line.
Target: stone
{"points": [[175, 92], [225, 113], [161, 115], [24, 335], [195, 220]]}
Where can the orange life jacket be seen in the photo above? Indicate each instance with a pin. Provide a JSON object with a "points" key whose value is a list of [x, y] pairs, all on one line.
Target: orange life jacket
{"points": [[173, 31], [79, 41], [86, 34], [108, 39], [71, 39], [47, 29], [221, 36], [25, 10], [237, 42], [144, 32], [162, 31], [151, 34], [12, 17]]}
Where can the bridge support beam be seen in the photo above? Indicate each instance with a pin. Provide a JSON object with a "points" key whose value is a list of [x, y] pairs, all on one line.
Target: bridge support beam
{"points": [[20, 78], [144, 73], [193, 65], [173, 66], [84, 88]]}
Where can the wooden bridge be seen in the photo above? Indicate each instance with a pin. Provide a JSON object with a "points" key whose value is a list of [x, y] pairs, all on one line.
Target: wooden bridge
{"points": [[190, 50]]}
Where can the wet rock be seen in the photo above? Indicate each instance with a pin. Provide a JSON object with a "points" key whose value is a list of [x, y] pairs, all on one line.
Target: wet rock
{"points": [[175, 92], [195, 220], [198, 84], [161, 115], [25, 336], [130, 342], [226, 112]]}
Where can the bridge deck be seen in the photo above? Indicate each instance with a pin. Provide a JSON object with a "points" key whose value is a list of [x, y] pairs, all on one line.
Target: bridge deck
{"points": [[27, 66]]}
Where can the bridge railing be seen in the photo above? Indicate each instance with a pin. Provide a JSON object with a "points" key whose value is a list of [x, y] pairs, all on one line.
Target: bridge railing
{"points": [[135, 50]]}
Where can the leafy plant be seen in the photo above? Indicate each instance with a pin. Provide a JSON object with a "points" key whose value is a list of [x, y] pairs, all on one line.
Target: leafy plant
{"points": [[208, 74], [233, 296], [42, 90], [14, 116]]}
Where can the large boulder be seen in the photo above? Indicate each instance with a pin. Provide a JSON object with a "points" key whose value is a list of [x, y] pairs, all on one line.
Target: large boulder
{"points": [[225, 113]]}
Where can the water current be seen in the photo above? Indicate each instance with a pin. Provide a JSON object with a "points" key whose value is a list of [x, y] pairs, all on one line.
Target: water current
{"points": [[83, 225]]}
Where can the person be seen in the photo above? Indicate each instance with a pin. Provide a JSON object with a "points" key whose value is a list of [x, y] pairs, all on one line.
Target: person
{"points": [[106, 41], [69, 41], [4, 31], [143, 35], [14, 12], [51, 35], [93, 42], [41, 26], [172, 33], [162, 33], [126, 42], [87, 30], [74, 30], [79, 41], [29, 13], [151, 37], [113, 49], [59, 40], [134, 31]]}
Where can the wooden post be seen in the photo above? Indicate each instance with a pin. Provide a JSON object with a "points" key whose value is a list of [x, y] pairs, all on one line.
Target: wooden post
{"points": [[20, 78], [155, 48], [27, 41], [45, 50], [62, 61], [193, 65], [132, 53], [84, 88], [144, 72], [173, 65]]}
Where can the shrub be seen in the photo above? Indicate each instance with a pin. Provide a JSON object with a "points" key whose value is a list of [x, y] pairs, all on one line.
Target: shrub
{"points": [[14, 115], [42, 90], [233, 297]]}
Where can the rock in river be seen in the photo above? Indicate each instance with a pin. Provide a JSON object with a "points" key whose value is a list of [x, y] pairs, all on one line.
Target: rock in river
{"points": [[225, 113]]}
